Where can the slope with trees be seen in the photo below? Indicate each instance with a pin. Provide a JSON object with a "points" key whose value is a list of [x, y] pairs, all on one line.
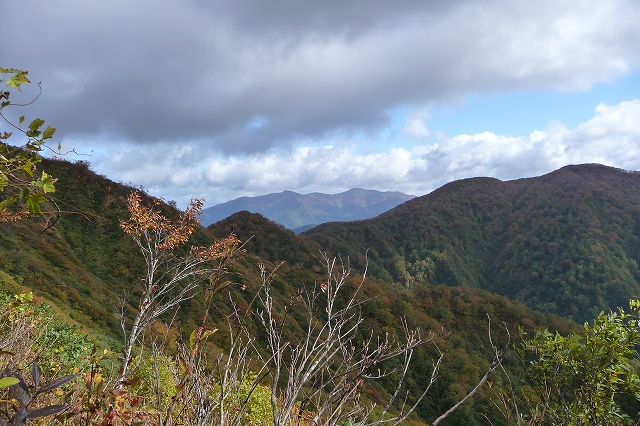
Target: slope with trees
{"points": [[85, 262], [567, 242]]}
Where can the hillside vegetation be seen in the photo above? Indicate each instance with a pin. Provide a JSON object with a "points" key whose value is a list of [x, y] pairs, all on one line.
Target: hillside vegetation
{"points": [[85, 262], [567, 242]]}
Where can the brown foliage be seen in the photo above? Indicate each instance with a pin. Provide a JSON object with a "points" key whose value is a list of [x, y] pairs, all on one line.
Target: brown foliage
{"points": [[147, 222]]}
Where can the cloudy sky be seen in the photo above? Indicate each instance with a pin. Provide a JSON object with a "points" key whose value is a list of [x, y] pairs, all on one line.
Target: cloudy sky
{"points": [[220, 99]]}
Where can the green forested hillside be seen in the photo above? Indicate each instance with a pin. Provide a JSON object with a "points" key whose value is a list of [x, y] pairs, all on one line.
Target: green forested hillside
{"points": [[567, 242], [84, 262], [267, 239]]}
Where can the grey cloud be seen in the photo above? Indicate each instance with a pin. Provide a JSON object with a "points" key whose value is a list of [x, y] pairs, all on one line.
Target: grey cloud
{"points": [[202, 71], [282, 19], [611, 137]]}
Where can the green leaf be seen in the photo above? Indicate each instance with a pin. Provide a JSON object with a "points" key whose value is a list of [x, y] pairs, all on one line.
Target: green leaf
{"points": [[33, 205], [24, 194], [21, 120], [33, 133], [17, 80], [28, 168], [36, 124], [4, 181], [192, 338], [22, 299], [206, 333], [48, 133], [5, 382], [46, 183]]}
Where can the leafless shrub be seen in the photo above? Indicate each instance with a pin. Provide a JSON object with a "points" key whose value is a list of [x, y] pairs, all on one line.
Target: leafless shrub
{"points": [[318, 379]]}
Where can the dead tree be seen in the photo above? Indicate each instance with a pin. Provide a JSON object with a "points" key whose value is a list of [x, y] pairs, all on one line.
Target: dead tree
{"points": [[318, 378]]}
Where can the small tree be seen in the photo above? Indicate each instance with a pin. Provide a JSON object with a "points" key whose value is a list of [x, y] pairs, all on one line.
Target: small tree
{"points": [[577, 380], [18, 165], [170, 278]]}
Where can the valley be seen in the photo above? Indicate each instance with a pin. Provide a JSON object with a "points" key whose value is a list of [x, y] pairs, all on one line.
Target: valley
{"points": [[532, 253]]}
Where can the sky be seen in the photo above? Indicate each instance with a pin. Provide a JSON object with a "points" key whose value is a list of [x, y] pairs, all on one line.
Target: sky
{"points": [[222, 99]]}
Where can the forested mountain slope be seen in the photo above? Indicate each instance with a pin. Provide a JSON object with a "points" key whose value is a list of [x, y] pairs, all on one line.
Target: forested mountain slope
{"points": [[85, 262], [267, 239], [567, 242]]}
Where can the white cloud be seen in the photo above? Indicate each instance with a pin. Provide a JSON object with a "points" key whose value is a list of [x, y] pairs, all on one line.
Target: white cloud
{"points": [[309, 169], [191, 97], [611, 137], [415, 126]]}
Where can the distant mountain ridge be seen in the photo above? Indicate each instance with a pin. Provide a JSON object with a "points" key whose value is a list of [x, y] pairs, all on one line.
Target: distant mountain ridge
{"points": [[302, 211]]}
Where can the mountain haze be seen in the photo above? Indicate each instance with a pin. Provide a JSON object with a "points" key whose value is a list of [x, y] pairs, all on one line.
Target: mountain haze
{"points": [[296, 211]]}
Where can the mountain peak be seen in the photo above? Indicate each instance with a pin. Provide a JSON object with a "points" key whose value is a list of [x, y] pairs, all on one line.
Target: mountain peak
{"points": [[294, 210]]}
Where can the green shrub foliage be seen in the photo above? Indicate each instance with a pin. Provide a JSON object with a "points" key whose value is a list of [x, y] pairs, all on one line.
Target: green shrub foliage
{"points": [[580, 379]]}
